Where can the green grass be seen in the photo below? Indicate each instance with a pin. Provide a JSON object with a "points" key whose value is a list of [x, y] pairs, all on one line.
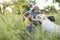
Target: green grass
{"points": [[11, 28]]}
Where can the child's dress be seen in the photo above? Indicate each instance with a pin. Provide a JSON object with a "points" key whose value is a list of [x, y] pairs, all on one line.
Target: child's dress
{"points": [[28, 25], [26, 22]]}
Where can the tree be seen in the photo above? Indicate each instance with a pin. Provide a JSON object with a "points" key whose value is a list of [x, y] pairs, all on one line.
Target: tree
{"points": [[58, 1], [20, 6], [50, 9]]}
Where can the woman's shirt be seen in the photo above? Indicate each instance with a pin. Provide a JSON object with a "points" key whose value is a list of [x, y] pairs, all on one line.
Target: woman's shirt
{"points": [[33, 14]]}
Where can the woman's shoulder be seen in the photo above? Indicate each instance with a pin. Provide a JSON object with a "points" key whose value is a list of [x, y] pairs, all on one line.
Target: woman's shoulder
{"points": [[31, 11]]}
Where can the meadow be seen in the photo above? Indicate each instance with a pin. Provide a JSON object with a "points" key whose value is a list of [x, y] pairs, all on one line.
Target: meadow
{"points": [[12, 28]]}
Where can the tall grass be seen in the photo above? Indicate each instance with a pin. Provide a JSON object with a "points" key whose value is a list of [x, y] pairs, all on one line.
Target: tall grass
{"points": [[12, 28]]}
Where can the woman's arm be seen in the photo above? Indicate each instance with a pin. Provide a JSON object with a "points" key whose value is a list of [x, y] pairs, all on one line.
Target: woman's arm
{"points": [[37, 19]]}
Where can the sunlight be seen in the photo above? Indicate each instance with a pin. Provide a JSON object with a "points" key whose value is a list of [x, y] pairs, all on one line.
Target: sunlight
{"points": [[43, 3], [1, 1]]}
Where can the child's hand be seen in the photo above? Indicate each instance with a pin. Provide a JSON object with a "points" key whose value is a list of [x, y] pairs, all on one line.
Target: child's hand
{"points": [[38, 19]]}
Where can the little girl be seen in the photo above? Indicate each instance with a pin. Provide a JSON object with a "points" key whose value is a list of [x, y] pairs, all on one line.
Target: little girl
{"points": [[27, 22]]}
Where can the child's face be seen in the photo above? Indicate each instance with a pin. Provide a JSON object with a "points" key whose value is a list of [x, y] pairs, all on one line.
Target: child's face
{"points": [[29, 16]]}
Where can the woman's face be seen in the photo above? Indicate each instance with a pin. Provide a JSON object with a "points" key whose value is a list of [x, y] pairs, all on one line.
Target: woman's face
{"points": [[36, 10]]}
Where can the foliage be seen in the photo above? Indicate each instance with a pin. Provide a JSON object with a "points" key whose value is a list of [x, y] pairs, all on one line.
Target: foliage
{"points": [[12, 28], [58, 1], [50, 9], [21, 6]]}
